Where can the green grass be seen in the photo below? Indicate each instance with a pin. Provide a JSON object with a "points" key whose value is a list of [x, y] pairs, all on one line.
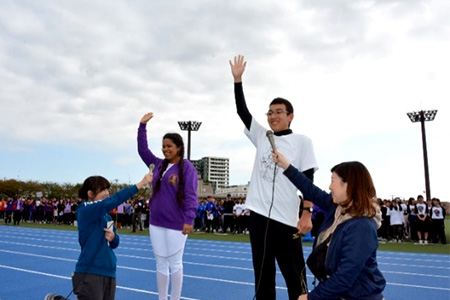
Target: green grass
{"points": [[403, 247]]}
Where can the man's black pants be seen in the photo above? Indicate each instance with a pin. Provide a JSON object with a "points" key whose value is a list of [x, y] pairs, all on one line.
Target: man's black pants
{"points": [[284, 244]]}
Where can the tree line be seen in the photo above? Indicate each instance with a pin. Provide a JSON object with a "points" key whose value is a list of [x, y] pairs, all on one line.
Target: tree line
{"points": [[11, 188]]}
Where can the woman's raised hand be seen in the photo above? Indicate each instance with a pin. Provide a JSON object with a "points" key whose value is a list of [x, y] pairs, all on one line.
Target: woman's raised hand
{"points": [[145, 118]]}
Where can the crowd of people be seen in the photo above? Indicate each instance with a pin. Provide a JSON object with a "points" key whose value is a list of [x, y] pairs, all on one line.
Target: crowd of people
{"points": [[416, 220], [222, 215], [39, 210], [132, 214], [413, 219]]}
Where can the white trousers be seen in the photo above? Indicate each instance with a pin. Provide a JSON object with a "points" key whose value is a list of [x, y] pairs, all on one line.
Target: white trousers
{"points": [[168, 247]]}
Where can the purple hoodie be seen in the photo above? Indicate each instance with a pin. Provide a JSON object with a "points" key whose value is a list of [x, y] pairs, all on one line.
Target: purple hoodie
{"points": [[164, 209]]}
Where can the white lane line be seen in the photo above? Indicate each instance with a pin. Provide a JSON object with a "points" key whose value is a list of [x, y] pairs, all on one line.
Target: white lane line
{"points": [[215, 279], [415, 266], [125, 248], [220, 244], [419, 286], [69, 278]]}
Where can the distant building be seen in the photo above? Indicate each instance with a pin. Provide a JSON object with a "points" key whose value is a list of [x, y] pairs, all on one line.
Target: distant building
{"points": [[215, 170], [236, 191], [204, 189]]}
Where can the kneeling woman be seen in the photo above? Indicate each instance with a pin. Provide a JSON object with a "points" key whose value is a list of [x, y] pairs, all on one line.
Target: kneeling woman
{"points": [[173, 206], [351, 269]]}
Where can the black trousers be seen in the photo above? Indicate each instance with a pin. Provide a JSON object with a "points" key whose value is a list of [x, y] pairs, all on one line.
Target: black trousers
{"points": [[283, 244], [93, 287], [439, 231], [137, 221]]}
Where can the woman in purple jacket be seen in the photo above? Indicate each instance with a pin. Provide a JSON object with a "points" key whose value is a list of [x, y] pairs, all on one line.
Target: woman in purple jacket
{"points": [[173, 207]]}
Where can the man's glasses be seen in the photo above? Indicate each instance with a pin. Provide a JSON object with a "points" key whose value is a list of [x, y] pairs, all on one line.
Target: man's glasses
{"points": [[278, 112]]}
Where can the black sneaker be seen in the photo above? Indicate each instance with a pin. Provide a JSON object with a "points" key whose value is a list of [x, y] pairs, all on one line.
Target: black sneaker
{"points": [[52, 296]]}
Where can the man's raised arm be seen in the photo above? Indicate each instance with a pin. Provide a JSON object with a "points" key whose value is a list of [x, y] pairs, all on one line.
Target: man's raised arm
{"points": [[237, 69]]}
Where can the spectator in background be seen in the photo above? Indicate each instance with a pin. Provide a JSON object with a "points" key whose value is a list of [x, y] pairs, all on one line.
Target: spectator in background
{"points": [[385, 220], [26, 210], [215, 223], [210, 208], [228, 220], [437, 218], [47, 208], [245, 218], [67, 216], [120, 211], [8, 211], [38, 212], [138, 207], [32, 210], [128, 211], [61, 207], [422, 220], [238, 212], [2, 208], [54, 205], [395, 212], [74, 207], [220, 212], [17, 210], [387, 203], [412, 215], [199, 222], [146, 215], [429, 206]]}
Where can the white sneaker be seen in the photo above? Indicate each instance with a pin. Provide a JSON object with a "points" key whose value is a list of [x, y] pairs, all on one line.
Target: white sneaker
{"points": [[425, 242], [420, 242], [54, 297]]}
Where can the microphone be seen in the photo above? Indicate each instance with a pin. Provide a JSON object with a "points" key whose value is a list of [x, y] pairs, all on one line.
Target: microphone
{"points": [[269, 135], [151, 167]]}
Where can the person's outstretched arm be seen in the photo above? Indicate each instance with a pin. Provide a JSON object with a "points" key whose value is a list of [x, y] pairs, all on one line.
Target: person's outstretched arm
{"points": [[237, 69], [144, 152], [307, 187]]}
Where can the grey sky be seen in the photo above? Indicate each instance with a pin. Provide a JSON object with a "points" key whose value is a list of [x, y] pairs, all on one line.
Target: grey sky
{"points": [[78, 75]]}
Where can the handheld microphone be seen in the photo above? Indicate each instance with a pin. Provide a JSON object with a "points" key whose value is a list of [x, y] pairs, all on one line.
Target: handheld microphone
{"points": [[151, 167], [269, 135]]}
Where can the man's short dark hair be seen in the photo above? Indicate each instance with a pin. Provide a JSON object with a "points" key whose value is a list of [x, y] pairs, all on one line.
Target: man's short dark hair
{"points": [[288, 104]]}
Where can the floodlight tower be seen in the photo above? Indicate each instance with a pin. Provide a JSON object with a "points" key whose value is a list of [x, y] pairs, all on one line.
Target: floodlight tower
{"points": [[422, 116], [189, 126]]}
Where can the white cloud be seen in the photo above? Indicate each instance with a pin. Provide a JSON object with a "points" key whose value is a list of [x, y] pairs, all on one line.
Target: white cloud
{"points": [[82, 78]]}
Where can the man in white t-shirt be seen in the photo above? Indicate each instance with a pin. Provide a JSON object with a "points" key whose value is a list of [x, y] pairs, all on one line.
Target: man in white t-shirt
{"points": [[238, 214], [272, 196]]}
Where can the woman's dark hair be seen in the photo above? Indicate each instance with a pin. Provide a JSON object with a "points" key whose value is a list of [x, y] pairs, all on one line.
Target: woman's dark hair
{"points": [[360, 188], [178, 141], [96, 184]]}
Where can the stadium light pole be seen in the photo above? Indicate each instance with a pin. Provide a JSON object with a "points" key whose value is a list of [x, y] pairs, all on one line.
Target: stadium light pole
{"points": [[189, 126], [422, 116]]}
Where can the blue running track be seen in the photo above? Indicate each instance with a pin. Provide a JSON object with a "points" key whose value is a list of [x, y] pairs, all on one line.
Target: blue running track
{"points": [[34, 262]]}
